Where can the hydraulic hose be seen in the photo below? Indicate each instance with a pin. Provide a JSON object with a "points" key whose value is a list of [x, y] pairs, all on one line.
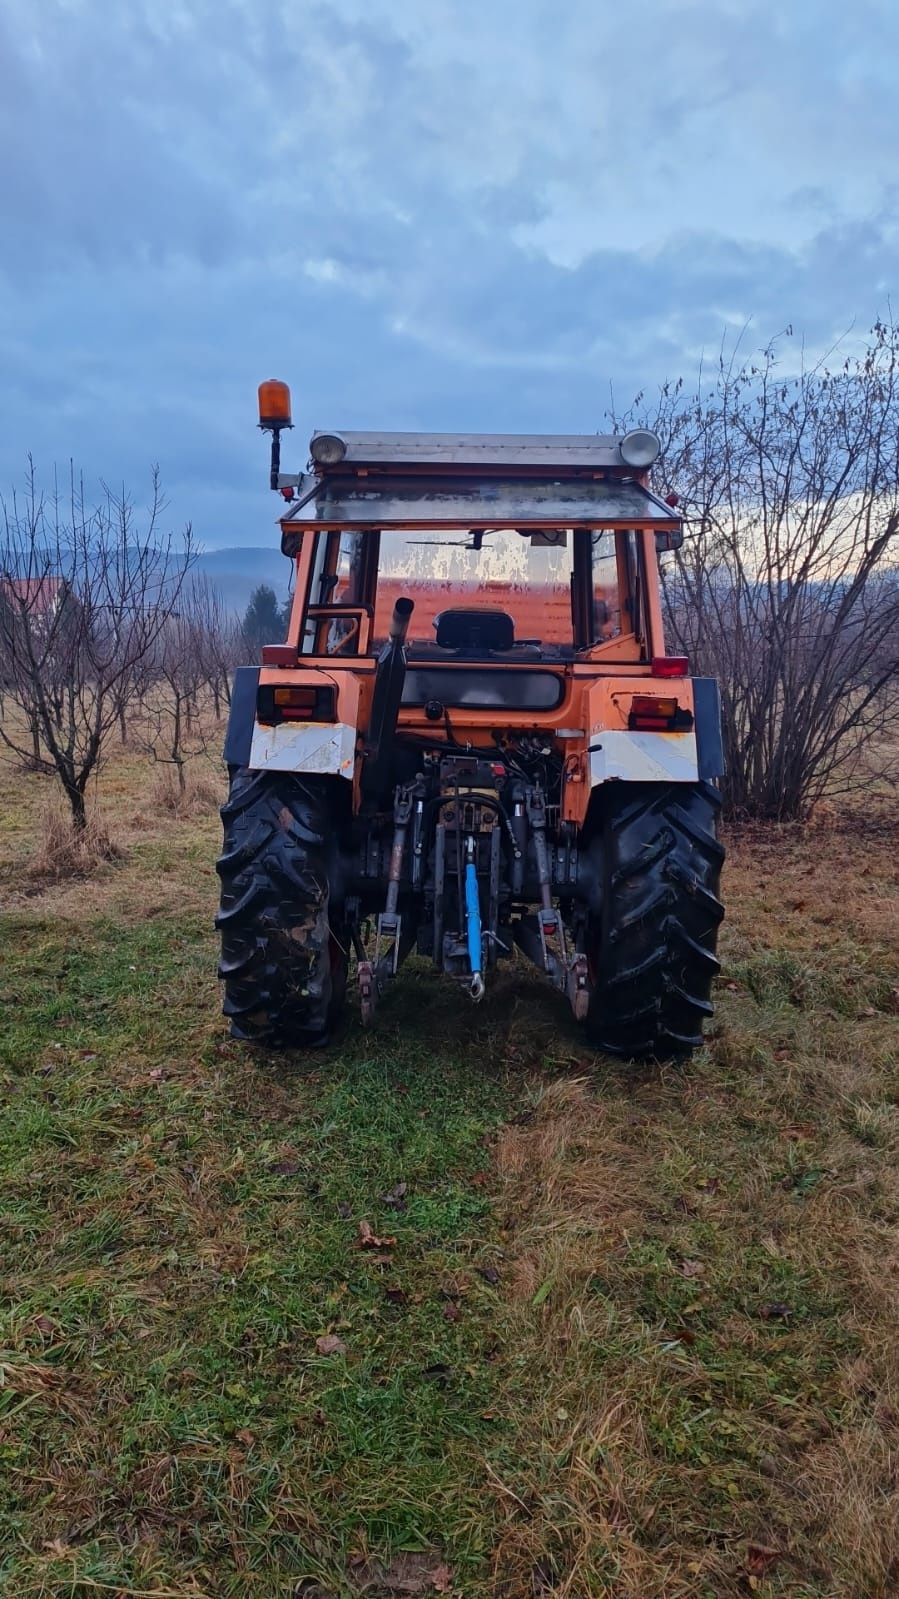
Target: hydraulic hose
{"points": [[473, 924]]}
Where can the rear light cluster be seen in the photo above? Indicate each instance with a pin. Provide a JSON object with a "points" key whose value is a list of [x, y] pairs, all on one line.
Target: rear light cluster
{"points": [[670, 666], [300, 702], [658, 713]]}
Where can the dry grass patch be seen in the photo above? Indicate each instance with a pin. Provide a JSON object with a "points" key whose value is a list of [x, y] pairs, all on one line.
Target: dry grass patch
{"points": [[703, 1272], [64, 851], [200, 795]]}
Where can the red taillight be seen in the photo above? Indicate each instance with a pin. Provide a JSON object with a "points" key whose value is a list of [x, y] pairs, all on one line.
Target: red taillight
{"points": [[658, 713], [296, 702], [279, 655], [299, 700], [670, 666]]}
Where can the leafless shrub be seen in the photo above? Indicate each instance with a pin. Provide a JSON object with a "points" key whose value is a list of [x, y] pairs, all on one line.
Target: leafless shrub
{"points": [[787, 588], [86, 593]]}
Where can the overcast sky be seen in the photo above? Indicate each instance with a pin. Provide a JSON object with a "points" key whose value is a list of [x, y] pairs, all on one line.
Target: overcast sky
{"points": [[438, 214]]}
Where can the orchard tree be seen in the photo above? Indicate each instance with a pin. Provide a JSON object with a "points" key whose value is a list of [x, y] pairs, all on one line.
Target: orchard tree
{"points": [[787, 585], [88, 591]]}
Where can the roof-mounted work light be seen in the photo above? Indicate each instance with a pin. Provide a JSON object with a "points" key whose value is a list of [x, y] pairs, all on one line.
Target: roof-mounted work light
{"points": [[274, 414], [327, 449], [639, 448]]}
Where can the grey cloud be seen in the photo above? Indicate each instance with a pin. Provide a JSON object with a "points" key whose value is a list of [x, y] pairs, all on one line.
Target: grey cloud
{"points": [[428, 212]]}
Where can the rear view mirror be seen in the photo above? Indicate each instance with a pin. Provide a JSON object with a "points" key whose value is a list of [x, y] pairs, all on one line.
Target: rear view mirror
{"points": [[671, 539]]}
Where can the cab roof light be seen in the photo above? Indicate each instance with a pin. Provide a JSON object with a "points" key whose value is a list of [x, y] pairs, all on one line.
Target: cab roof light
{"points": [[639, 448], [327, 449], [274, 405]]}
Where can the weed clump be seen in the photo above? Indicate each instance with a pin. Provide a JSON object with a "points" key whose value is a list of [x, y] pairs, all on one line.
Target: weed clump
{"points": [[194, 797], [65, 851]]}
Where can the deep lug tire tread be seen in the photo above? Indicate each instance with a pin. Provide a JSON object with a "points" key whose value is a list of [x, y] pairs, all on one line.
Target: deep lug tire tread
{"points": [[282, 970], [654, 949]]}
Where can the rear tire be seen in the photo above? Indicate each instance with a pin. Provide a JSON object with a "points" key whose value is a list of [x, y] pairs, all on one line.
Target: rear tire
{"points": [[652, 952], [283, 952]]}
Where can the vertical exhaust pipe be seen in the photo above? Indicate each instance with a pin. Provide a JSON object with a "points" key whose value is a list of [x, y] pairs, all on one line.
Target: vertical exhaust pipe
{"points": [[389, 679]]}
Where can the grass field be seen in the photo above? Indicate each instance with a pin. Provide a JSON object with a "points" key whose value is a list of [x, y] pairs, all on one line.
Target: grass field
{"points": [[611, 1332]]}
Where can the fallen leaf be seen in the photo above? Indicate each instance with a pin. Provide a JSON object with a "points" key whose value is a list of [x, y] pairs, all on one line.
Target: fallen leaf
{"points": [[489, 1274], [368, 1240], [285, 1168], [330, 1344], [344, 1211], [396, 1196], [396, 1296], [157, 1075], [58, 1548], [244, 1436], [760, 1558], [867, 1010], [451, 1312], [691, 1268], [45, 1325]]}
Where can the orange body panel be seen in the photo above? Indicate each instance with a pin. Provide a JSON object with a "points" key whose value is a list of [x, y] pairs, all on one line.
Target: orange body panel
{"points": [[591, 705]]}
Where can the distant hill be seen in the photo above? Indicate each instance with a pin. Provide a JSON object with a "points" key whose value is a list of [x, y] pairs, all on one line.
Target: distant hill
{"points": [[237, 571]]}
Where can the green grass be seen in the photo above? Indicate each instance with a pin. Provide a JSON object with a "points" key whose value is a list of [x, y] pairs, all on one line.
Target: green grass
{"points": [[634, 1325], [182, 1224]]}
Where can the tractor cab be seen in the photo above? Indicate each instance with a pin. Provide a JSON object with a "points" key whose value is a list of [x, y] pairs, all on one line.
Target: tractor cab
{"points": [[553, 533]]}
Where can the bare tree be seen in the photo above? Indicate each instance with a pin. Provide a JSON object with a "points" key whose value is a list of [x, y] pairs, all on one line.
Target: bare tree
{"points": [[87, 592], [219, 645], [175, 672], [786, 587]]}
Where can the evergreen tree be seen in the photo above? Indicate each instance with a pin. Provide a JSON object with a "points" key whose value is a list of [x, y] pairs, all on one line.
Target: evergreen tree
{"points": [[263, 621]]}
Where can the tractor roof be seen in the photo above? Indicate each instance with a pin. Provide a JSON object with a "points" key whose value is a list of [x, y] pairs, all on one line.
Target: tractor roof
{"points": [[381, 480], [565, 451]]}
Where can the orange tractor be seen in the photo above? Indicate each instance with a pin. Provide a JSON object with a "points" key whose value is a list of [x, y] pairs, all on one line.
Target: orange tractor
{"points": [[472, 741]]}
